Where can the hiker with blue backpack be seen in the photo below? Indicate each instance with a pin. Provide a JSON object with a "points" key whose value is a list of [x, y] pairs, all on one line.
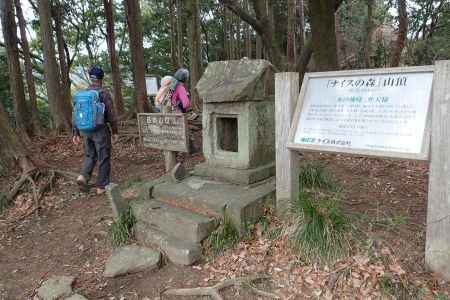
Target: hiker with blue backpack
{"points": [[94, 120]]}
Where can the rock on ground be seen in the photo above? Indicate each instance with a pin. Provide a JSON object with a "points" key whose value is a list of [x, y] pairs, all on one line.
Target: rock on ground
{"points": [[131, 259], [56, 287]]}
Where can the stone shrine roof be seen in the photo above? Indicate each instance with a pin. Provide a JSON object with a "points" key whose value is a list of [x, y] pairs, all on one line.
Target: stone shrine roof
{"points": [[236, 80]]}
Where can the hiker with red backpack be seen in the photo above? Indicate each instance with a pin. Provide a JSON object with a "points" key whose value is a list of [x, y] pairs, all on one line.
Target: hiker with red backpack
{"points": [[94, 120]]}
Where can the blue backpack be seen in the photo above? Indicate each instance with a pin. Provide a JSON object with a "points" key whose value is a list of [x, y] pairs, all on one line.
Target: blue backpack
{"points": [[88, 110]]}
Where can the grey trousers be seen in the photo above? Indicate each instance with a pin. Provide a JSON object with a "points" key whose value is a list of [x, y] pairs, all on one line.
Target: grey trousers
{"points": [[97, 148]]}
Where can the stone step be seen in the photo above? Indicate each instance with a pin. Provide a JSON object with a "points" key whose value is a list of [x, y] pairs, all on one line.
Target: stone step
{"points": [[173, 221], [244, 204], [177, 250]]}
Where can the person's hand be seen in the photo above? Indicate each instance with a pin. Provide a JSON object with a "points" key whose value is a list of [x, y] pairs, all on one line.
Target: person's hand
{"points": [[115, 138], [76, 139]]}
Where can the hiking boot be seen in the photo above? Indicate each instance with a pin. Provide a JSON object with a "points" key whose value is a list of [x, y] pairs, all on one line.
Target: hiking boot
{"points": [[81, 181]]}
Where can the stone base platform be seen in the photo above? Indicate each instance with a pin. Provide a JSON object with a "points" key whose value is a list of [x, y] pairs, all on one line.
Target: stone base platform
{"points": [[177, 217], [233, 175]]}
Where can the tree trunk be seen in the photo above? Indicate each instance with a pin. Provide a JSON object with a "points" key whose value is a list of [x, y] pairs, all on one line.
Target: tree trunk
{"points": [[248, 35], [63, 65], [15, 76], [231, 35], [193, 17], [115, 71], [259, 47], [263, 25], [180, 34], [133, 13], [323, 34], [226, 31], [402, 31], [237, 29], [291, 35], [36, 123], [340, 43], [173, 34], [61, 121], [301, 25], [368, 41], [12, 149]]}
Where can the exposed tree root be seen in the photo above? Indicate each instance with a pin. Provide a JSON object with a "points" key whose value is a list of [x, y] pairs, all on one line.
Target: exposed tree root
{"points": [[32, 177], [213, 291]]}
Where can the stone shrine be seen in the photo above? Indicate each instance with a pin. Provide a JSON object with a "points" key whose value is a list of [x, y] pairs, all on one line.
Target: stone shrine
{"points": [[237, 176], [238, 121]]}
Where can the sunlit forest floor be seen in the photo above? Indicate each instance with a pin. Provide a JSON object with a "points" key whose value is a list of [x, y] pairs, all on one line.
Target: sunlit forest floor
{"points": [[384, 199]]}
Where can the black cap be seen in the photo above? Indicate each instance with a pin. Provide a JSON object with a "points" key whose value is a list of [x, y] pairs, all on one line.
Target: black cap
{"points": [[96, 73]]}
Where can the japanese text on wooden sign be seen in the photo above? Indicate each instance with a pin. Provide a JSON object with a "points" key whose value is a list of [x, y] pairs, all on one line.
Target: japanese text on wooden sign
{"points": [[370, 114], [163, 131]]}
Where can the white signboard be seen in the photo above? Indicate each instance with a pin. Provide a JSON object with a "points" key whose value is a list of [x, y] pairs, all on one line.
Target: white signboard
{"points": [[152, 85], [383, 114]]}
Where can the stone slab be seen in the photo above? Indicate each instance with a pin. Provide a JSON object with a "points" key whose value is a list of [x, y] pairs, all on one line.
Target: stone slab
{"points": [[178, 251], [243, 203], [173, 221], [115, 200], [237, 176], [56, 287], [131, 259], [236, 80]]}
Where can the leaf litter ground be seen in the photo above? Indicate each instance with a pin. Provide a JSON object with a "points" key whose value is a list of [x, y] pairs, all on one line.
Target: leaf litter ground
{"points": [[386, 200]]}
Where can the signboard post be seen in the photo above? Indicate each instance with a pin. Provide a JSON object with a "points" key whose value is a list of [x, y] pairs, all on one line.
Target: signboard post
{"points": [[392, 113]]}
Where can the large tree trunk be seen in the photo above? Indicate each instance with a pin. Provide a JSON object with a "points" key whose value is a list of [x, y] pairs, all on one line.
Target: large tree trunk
{"points": [[12, 149], [15, 76], [115, 71], [61, 121], [402, 31], [292, 5], [37, 126], [63, 65], [368, 40], [133, 13], [193, 15], [323, 34], [180, 33]]}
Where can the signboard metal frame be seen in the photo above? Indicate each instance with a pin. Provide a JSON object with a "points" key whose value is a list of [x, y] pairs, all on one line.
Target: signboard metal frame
{"points": [[185, 147], [423, 155]]}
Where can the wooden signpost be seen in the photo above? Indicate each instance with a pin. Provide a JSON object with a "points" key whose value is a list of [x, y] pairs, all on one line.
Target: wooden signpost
{"points": [[392, 113], [165, 131]]}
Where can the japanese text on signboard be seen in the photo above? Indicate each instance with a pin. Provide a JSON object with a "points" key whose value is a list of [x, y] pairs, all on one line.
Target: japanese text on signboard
{"points": [[163, 131]]}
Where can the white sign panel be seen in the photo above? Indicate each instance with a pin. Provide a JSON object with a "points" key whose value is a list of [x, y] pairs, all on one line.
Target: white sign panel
{"points": [[378, 114], [152, 85]]}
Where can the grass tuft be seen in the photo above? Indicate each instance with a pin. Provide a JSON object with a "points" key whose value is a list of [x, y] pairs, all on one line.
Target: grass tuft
{"points": [[122, 229], [319, 228], [315, 175], [224, 237]]}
